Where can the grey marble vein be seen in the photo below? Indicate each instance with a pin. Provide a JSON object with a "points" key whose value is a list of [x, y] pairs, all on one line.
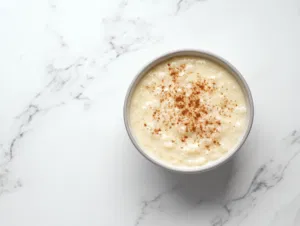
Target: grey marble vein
{"points": [[64, 76], [148, 204], [52, 5], [119, 44], [62, 80], [178, 5], [233, 210], [126, 34], [59, 37], [186, 3], [7, 184], [265, 178]]}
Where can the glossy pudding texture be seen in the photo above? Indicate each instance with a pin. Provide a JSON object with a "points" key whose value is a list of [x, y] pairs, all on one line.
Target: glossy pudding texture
{"points": [[187, 112]]}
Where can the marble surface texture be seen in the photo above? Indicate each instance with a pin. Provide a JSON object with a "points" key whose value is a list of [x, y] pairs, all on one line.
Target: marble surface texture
{"points": [[65, 158]]}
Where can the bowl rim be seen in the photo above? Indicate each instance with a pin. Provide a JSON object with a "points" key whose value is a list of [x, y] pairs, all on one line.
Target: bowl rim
{"points": [[197, 53]]}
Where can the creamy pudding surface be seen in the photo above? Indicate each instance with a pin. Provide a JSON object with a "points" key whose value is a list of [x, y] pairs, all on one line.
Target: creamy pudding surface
{"points": [[187, 112]]}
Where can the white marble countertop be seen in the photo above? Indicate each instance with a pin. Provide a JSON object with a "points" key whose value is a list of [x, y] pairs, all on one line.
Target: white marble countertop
{"points": [[65, 158]]}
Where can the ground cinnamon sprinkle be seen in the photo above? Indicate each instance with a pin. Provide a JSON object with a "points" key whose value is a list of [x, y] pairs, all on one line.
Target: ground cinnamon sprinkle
{"points": [[187, 105], [156, 131]]}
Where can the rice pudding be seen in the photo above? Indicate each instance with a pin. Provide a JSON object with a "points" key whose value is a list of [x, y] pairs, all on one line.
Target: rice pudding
{"points": [[188, 111]]}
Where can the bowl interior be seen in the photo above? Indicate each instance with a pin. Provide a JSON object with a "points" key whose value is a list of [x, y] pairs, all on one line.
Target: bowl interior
{"points": [[212, 57]]}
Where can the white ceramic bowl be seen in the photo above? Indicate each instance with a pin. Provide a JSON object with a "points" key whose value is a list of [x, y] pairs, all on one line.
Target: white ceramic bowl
{"points": [[203, 54]]}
